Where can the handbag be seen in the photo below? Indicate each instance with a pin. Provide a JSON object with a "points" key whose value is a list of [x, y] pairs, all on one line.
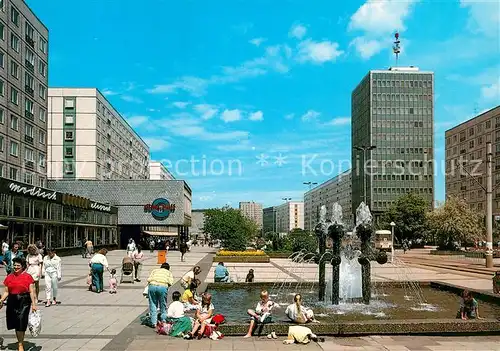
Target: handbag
{"points": [[35, 323]]}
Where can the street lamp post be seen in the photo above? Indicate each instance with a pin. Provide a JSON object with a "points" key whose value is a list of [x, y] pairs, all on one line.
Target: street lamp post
{"points": [[310, 184], [364, 149], [392, 241]]}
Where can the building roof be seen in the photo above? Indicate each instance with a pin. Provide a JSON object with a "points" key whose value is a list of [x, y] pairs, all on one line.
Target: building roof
{"points": [[478, 116]]}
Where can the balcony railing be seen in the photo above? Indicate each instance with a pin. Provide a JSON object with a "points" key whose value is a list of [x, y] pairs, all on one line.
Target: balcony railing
{"points": [[29, 66], [30, 41], [29, 164], [29, 115], [28, 139], [29, 90]]}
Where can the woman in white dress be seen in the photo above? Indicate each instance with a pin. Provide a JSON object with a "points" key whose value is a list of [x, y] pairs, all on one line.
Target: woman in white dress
{"points": [[52, 271], [34, 262]]}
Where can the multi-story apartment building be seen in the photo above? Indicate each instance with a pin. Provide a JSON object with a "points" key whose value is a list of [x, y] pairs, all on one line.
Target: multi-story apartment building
{"points": [[89, 139], [289, 216], [393, 111], [337, 189], [158, 171], [253, 211], [269, 219], [23, 94], [466, 159]]}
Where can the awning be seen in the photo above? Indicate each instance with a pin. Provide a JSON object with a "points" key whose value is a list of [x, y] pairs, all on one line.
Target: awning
{"points": [[160, 233]]}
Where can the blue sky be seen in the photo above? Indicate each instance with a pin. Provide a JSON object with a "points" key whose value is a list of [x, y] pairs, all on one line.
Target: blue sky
{"points": [[257, 90]]}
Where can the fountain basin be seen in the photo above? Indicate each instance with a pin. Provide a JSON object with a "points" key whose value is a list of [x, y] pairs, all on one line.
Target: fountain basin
{"points": [[394, 310]]}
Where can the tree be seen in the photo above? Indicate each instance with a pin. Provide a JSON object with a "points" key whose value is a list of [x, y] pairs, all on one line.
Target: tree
{"points": [[409, 215], [230, 227], [277, 242], [455, 222], [302, 240]]}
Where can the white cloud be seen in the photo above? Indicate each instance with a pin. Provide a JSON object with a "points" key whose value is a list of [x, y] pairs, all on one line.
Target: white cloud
{"points": [[298, 31], [181, 104], [153, 110], [136, 121], [290, 116], [340, 121], [156, 144], [231, 115], [257, 41], [484, 17], [206, 111], [242, 145], [380, 17], [185, 125], [365, 47], [130, 98], [310, 115], [318, 52], [109, 92], [491, 92], [193, 85], [256, 116]]}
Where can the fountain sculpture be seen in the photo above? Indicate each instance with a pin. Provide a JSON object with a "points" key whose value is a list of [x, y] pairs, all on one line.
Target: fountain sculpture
{"points": [[345, 257]]}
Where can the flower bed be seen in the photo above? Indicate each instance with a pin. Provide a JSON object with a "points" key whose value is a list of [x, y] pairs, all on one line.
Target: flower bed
{"points": [[250, 256]]}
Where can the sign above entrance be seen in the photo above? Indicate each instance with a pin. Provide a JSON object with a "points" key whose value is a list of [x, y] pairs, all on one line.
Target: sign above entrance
{"points": [[160, 209], [33, 191]]}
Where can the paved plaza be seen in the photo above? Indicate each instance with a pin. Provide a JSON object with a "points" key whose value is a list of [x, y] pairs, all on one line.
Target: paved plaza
{"points": [[89, 321]]}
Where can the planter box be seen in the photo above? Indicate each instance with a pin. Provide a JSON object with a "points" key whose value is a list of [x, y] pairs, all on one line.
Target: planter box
{"points": [[242, 259], [279, 254]]}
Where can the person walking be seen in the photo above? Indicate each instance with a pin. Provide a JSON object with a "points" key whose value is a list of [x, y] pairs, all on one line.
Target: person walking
{"points": [[5, 247], [130, 248], [9, 257], [98, 263], [138, 257], [159, 281], [20, 290], [52, 271], [89, 248], [183, 247], [34, 260]]}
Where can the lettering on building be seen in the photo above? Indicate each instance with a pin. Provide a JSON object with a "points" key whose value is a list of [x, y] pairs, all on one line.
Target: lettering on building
{"points": [[100, 207], [33, 191]]}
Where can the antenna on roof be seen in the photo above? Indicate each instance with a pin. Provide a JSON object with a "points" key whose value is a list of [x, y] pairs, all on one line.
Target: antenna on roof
{"points": [[396, 48]]}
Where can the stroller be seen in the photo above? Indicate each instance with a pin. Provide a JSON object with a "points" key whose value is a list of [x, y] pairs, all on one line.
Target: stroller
{"points": [[127, 270]]}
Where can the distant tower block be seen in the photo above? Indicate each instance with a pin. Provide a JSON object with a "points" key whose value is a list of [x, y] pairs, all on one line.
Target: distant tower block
{"points": [[396, 48]]}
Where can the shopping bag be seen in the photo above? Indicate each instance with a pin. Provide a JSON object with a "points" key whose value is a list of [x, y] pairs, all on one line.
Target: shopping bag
{"points": [[35, 323], [146, 291]]}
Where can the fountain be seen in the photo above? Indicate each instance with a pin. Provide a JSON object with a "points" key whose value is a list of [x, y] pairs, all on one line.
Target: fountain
{"points": [[320, 230]]}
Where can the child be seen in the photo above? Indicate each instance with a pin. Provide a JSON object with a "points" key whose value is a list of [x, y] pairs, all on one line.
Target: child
{"points": [[203, 316], [298, 313], [113, 282], [301, 335], [250, 276], [188, 298], [175, 314], [262, 313], [468, 307]]}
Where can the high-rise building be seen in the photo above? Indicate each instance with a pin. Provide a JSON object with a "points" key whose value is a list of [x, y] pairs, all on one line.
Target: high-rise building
{"points": [[392, 110], [337, 189], [466, 160], [89, 139], [289, 216], [269, 219], [157, 171], [23, 83], [253, 211]]}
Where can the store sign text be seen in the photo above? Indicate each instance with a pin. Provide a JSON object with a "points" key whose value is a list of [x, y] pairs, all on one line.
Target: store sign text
{"points": [[160, 209], [99, 207], [33, 191]]}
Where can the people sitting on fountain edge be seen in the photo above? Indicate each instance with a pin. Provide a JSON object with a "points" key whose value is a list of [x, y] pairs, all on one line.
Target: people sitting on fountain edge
{"points": [[298, 313], [189, 298], [469, 308], [262, 313], [221, 274]]}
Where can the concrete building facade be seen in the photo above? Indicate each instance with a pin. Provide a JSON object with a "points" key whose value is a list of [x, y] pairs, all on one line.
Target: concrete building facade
{"points": [[158, 171], [253, 211], [337, 189], [89, 139], [289, 216], [197, 223], [393, 110], [466, 160], [269, 219], [23, 94]]}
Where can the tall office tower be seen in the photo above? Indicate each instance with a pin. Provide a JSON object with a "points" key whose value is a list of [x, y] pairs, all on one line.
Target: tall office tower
{"points": [[392, 125], [23, 83], [269, 219], [252, 211], [289, 216], [89, 139], [466, 160], [337, 189], [158, 170]]}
